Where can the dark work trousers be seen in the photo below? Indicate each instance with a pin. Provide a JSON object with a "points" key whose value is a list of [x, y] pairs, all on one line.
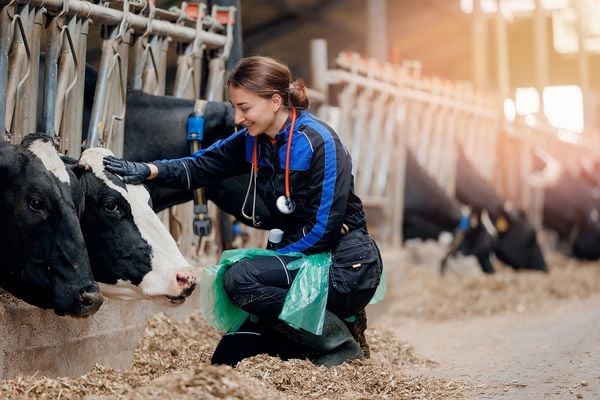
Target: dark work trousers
{"points": [[259, 286]]}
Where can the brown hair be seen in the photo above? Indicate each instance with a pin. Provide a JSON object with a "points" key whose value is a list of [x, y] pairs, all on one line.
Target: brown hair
{"points": [[266, 76]]}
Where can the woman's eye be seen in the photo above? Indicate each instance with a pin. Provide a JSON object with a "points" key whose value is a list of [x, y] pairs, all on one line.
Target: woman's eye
{"points": [[35, 205], [111, 206], [244, 109]]}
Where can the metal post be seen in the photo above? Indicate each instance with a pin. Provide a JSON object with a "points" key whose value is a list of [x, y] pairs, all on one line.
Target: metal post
{"points": [[318, 57], [108, 111], [5, 39], [377, 45], [478, 48], [584, 67], [502, 52], [541, 53]]}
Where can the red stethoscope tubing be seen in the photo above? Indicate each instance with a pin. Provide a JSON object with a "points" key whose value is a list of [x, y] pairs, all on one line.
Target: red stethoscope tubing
{"points": [[287, 154]]}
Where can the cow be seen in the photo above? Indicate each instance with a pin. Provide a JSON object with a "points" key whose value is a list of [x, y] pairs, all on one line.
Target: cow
{"points": [[44, 258], [516, 242], [132, 254], [571, 209], [429, 211]]}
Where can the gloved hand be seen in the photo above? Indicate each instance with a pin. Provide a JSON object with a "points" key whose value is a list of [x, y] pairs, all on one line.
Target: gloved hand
{"points": [[131, 171]]}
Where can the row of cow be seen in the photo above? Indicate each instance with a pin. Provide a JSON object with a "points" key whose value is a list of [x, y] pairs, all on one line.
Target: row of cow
{"points": [[72, 232]]}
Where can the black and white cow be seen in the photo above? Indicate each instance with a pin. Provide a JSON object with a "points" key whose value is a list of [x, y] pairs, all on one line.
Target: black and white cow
{"points": [[43, 258], [516, 242], [132, 254], [429, 211]]}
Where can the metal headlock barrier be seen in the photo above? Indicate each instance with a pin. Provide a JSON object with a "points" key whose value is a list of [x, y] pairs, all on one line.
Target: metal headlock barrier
{"points": [[67, 25], [136, 36], [379, 110]]}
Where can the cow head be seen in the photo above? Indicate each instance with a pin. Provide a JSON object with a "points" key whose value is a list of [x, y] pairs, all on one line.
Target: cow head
{"points": [[477, 240], [516, 243], [44, 258], [131, 252]]}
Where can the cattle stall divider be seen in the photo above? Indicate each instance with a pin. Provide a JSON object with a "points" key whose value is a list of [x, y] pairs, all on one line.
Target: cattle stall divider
{"points": [[431, 116], [37, 340]]}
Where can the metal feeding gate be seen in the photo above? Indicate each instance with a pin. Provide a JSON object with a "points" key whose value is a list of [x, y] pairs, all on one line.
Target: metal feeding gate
{"points": [[380, 110], [52, 101]]}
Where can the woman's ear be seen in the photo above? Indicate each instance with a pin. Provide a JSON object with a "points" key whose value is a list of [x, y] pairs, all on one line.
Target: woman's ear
{"points": [[276, 100]]}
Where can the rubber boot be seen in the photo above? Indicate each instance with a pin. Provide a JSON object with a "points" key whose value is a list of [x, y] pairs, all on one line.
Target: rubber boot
{"points": [[357, 329], [333, 347]]}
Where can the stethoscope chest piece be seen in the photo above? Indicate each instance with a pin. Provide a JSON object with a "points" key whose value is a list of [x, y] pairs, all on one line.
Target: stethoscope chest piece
{"points": [[285, 205]]}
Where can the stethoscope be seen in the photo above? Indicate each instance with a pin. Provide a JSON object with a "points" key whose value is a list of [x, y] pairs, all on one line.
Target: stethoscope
{"points": [[284, 203]]}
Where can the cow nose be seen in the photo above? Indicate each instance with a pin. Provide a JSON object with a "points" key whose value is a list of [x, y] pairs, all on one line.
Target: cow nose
{"points": [[91, 302], [184, 280]]}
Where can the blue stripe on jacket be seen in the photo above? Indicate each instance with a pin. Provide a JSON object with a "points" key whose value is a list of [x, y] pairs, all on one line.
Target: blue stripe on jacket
{"points": [[327, 192]]}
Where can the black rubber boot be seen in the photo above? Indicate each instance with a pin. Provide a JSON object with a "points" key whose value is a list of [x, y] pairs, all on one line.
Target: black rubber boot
{"points": [[333, 347], [357, 329]]}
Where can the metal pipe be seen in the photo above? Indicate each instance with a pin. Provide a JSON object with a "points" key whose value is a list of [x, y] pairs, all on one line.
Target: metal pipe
{"points": [[109, 16], [340, 76], [5, 39], [541, 53], [318, 57]]}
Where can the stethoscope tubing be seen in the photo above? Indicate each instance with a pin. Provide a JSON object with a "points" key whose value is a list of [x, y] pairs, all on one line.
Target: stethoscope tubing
{"points": [[286, 205]]}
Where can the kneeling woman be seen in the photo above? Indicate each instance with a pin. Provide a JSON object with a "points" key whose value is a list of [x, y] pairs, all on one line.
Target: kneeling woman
{"points": [[301, 172]]}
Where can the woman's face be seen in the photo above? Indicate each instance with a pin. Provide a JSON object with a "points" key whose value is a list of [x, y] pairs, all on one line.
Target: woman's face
{"points": [[254, 112]]}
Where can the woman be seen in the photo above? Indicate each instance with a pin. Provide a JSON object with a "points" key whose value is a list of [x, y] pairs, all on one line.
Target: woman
{"points": [[301, 172]]}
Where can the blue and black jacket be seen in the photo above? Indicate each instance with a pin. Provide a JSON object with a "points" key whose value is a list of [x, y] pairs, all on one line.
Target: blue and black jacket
{"points": [[321, 181]]}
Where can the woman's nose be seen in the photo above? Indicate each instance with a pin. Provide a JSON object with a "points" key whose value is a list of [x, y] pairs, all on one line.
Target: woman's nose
{"points": [[238, 119]]}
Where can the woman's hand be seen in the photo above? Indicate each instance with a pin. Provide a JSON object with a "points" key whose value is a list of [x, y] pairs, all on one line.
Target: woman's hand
{"points": [[131, 171]]}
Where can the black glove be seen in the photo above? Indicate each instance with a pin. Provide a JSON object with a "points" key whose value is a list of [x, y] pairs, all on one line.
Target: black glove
{"points": [[131, 171]]}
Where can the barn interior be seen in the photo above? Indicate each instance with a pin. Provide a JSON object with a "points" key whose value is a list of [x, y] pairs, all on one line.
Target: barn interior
{"points": [[473, 130]]}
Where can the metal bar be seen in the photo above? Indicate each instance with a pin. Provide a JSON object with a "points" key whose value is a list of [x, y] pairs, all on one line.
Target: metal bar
{"points": [[108, 111], [318, 57], [340, 76], [109, 16], [541, 52], [5, 39], [502, 52], [22, 85], [51, 76]]}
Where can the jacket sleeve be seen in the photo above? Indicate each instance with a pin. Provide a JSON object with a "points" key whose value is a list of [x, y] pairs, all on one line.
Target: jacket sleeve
{"points": [[330, 182], [223, 159]]}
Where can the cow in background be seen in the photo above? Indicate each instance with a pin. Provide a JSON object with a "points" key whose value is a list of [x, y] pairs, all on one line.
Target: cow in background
{"points": [[43, 256], [429, 211], [571, 209], [132, 254], [516, 242]]}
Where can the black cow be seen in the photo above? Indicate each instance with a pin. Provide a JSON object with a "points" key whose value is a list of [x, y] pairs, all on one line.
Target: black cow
{"points": [[516, 243], [571, 208], [429, 211], [44, 259]]}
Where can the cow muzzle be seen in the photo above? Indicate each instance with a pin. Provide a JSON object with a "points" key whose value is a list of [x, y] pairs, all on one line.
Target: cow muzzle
{"points": [[185, 283], [90, 302]]}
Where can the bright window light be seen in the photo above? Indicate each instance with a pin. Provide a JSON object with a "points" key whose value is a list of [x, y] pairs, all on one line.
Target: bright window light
{"points": [[563, 106], [527, 101], [510, 111], [516, 6]]}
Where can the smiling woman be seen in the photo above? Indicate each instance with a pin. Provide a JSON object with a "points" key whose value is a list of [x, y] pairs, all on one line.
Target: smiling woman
{"points": [[301, 172]]}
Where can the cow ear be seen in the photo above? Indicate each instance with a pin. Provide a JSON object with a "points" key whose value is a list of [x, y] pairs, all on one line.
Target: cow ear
{"points": [[8, 157], [73, 164], [77, 169]]}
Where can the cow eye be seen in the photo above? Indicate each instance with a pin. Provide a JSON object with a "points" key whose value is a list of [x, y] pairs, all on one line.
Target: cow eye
{"points": [[111, 206], [35, 205]]}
